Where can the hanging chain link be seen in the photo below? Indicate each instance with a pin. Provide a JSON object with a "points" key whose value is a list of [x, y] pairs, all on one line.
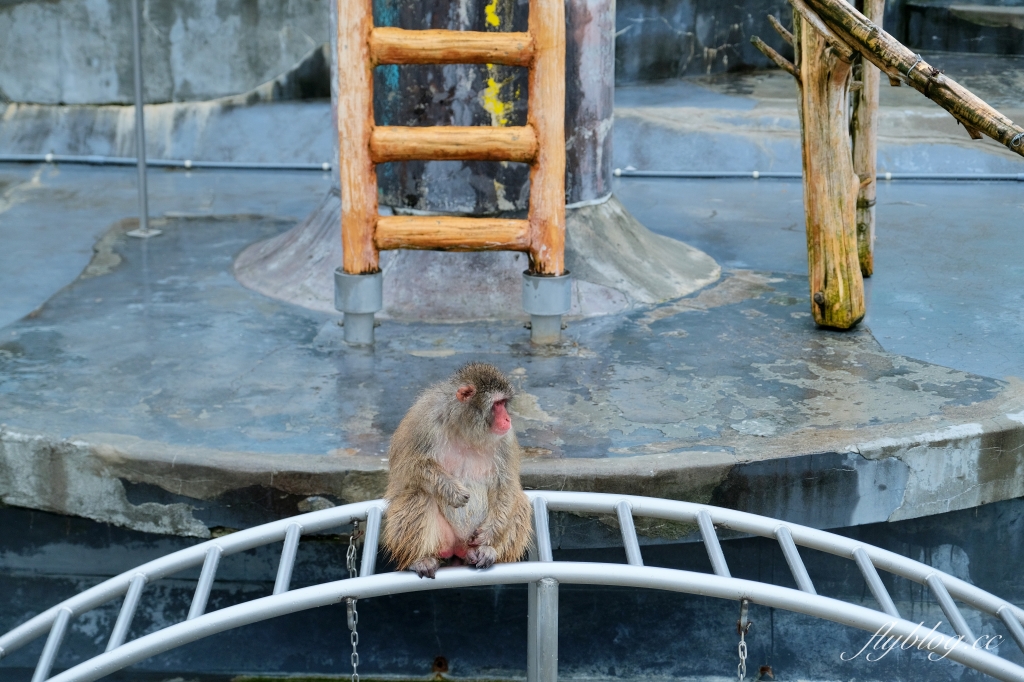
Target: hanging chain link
{"points": [[742, 626], [350, 603]]}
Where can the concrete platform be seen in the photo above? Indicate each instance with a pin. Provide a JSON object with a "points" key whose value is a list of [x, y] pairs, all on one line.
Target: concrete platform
{"points": [[154, 392]]}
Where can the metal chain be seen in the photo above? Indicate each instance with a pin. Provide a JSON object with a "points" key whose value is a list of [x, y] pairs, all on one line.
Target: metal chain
{"points": [[742, 626], [741, 669], [350, 603]]}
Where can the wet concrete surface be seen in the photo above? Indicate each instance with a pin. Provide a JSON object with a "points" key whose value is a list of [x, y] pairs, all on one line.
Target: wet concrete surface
{"points": [[165, 345], [945, 255], [51, 216], [156, 392], [748, 121]]}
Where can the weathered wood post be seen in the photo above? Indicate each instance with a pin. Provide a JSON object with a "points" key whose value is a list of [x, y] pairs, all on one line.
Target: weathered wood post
{"points": [[358, 281], [864, 129], [822, 68], [831, 185]]}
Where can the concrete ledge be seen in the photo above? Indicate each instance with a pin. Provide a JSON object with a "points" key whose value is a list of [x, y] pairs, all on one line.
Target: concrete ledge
{"points": [[105, 477]]}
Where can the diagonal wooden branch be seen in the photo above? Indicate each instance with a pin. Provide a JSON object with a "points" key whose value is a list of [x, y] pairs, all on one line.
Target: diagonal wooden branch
{"points": [[842, 49], [898, 61], [779, 60], [780, 29]]}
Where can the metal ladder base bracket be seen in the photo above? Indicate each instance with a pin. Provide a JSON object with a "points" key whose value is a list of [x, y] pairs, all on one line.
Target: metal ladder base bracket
{"points": [[546, 299], [359, 297]]}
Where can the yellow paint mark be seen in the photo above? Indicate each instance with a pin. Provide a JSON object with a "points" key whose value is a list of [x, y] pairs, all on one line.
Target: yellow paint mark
{"points": [[491, 11], [493, 103]]}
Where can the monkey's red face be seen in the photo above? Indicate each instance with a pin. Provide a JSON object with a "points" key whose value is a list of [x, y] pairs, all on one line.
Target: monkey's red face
{"points": [[500, 421]]}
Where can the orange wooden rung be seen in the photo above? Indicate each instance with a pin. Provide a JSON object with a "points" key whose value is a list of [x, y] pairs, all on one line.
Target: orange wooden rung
{"points": [[541, 142], [450, 233], [399, 46], [450, 143]]}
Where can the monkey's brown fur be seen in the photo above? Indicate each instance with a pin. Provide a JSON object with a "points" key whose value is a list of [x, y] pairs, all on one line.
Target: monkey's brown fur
{"points": [[453, 485]]}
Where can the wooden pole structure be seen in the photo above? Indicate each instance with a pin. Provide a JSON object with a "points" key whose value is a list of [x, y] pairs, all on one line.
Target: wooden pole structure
{"points": [[547, 289], [829, 33], [355, 128], [900, 63], [546, 115], [822, 69], [830, 183], [864, 129], [540, 143]]}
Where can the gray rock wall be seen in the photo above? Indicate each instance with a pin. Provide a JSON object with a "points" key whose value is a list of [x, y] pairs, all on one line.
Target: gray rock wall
{"points": [[80, 51]]}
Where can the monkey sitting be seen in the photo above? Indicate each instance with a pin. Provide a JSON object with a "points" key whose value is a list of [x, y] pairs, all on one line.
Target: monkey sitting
{"points": [[453, 486]]}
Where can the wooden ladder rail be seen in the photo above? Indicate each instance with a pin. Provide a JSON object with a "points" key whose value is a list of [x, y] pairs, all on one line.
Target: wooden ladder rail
{"points": [[540, 143]]}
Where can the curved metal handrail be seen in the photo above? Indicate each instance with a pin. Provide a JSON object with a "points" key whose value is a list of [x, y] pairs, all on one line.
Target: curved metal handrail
{"points": [[721, 585]]}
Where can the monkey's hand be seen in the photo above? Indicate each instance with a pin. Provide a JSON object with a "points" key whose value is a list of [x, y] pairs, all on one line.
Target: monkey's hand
{"points": [[425, 567], [455, 495], [481, 536], [483, 556]]}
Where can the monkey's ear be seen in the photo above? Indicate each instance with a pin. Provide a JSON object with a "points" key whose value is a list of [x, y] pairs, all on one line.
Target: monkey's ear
{"points": [[465, 393]]}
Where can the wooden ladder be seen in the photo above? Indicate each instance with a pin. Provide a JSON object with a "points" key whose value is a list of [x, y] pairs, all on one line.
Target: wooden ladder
{"points": [[541, 142]]}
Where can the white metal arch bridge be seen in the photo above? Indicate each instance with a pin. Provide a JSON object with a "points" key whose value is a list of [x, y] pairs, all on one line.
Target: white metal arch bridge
{"points": [[543, 576]]}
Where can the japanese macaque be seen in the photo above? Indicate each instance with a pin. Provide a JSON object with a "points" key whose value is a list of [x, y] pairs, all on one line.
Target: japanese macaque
{"points": [[453, 487]]}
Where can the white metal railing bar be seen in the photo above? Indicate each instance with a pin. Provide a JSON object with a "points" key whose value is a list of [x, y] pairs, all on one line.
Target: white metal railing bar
{"points": [[53, 642], [874, 582], [205, 584], [953, 615], [714, 549], [543, 585], [127, 613], [578, 573], [1012, 624], [178, 561], [542, 531], [287, 563], [369, 563], [629, 538], [796, 564]]}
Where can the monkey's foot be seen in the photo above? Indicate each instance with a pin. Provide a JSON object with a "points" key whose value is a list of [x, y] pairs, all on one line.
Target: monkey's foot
{"points": [[482, 557], [426, 567], [480, 537]]}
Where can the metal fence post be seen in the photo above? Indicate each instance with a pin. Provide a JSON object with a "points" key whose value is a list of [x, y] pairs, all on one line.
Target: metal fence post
{"points": [[542, 621], [547, 630], [140, 128], [542, 631]]}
